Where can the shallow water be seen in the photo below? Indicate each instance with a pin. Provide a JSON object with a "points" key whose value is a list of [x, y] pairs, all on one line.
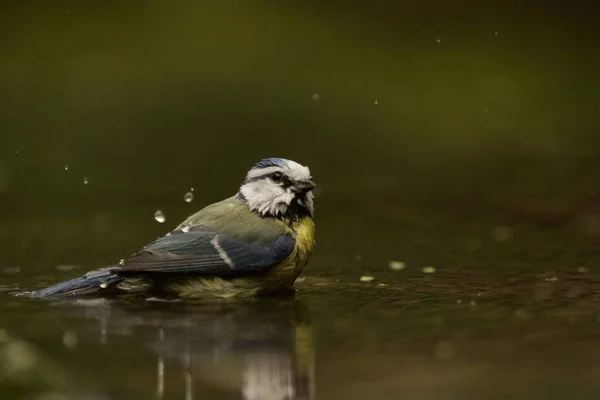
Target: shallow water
{"points": [[446, 336], [498, 298]]}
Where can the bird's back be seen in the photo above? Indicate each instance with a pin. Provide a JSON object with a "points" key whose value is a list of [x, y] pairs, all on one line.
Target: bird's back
{"points": [[231, 217]]}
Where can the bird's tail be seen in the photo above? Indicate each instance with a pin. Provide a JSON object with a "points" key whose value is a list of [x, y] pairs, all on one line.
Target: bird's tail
{"points": [[90, 283]]}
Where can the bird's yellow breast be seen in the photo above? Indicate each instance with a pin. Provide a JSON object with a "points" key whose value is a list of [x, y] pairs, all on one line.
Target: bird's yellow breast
{"points": [[304, 229]]}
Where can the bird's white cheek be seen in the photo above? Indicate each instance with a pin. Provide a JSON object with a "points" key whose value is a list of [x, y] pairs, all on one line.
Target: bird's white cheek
{"points": [[289, 196]]}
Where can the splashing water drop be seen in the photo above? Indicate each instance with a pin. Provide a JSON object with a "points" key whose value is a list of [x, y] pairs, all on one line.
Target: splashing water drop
{"points": [[428, 270], [189, 197], [159, 216], [376, 102], [192, 189], [186, 228], [70, 340], [316, 96], [86, 181], [122, 262], [396, 265], [502, 233], [66, 167], [12, 270], [66, 268], [438, 40]]}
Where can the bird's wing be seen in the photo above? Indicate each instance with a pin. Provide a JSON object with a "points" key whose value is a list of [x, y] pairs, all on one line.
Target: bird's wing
{"points": [[243, 245]]}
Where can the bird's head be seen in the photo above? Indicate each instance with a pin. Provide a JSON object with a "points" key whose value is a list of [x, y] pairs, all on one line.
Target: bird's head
{"points": [[276, 187]]}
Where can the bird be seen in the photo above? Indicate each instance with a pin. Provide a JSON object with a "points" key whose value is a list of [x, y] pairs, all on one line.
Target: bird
{"points": [[253, 243]]}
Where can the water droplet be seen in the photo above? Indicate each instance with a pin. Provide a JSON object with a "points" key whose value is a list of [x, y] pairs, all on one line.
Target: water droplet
{"points": [[397, 265], [366, 278], [376, 102], [16, 151], [159, 300], [522, 313], [66, 268], [86, 181], [502, 233], [192, 189], [104, 285], [70, 339], [444, 350], [12, 270], [186, 228], [428, 270], [66, 167], [189, 197], [122, 262], [495, 33], [438, 40], [316, 96], [159, 216]]}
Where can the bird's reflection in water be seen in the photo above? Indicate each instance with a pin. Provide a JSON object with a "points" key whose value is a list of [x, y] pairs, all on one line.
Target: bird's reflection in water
{"points": [[262, 349]]}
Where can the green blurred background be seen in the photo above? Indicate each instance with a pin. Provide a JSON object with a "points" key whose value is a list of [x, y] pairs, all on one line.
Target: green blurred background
{"points": [[446, 133], [458, 135]]}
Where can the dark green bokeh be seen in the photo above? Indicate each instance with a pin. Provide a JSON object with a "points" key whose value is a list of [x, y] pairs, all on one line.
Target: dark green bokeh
{"points": [[403, 111]]}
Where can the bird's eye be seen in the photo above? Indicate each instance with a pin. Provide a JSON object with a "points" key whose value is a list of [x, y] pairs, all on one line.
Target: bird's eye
{"points": [[276, 176]]}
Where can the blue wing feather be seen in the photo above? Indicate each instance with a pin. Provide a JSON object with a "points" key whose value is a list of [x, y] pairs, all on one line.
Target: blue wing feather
{"points": [[255, 256], [205, 252]]}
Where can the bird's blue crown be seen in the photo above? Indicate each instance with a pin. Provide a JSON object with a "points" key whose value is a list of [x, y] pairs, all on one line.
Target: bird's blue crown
{"points": [[271, 162]]}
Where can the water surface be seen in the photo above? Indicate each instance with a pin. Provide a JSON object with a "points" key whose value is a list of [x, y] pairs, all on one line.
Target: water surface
{"points": [[448, 336]]}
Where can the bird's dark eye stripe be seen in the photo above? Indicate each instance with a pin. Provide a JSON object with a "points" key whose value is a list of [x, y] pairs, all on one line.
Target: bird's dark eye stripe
{"points": [[284, 177], [280, 177]]}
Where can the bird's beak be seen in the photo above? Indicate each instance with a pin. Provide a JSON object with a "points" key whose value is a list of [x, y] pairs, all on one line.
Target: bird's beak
{"points": [[304, 186]]}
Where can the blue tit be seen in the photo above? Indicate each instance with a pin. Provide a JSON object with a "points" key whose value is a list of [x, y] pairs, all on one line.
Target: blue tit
{"points": [[254, 243]]}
